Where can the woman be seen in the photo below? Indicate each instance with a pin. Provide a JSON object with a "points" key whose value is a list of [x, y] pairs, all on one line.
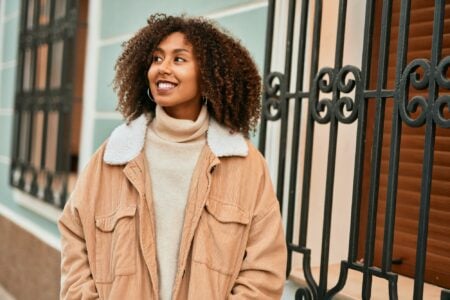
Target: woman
{"points": [[177, 204]]}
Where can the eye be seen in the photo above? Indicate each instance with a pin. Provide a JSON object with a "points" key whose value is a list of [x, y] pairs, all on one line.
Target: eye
{"points": [[156, 58], [179, 59]]}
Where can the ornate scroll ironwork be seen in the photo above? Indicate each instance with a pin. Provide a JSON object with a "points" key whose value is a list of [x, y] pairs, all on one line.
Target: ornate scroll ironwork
{"points": [[340, 95], [420, 104], [272, 89], [329, 80]]}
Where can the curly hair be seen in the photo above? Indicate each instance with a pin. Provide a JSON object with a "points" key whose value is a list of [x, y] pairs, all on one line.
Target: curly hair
{"points": [[229, 78]]}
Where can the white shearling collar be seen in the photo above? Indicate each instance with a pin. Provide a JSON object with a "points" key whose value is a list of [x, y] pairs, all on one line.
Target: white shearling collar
{"points": [[127, 141]]}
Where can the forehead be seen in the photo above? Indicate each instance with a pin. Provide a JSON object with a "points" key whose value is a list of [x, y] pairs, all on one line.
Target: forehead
{"points": [[175, 40]]}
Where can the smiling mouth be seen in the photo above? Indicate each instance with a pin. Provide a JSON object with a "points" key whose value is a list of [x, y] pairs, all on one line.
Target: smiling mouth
{"points": [[165, 85]]}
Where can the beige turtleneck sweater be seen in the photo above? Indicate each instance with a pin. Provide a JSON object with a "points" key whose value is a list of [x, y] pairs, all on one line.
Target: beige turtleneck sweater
{"points": [[172, 148]]}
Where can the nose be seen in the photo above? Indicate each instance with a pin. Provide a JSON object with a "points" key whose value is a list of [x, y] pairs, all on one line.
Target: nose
{"points": [[164, 67]]}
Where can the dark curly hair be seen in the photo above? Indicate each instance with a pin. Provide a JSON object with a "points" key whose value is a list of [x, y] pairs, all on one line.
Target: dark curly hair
{"points": [[229, 78]]}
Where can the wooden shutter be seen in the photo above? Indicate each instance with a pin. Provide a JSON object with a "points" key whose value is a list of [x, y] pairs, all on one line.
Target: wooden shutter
{"points": [[411, 156]]}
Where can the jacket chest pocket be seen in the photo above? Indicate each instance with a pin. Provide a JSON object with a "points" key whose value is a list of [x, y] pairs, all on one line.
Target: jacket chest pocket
{"points": [[221, 236], [115, 244]]}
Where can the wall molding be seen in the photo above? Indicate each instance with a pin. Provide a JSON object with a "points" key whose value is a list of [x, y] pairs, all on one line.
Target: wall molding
{"points": [[238, 9]]}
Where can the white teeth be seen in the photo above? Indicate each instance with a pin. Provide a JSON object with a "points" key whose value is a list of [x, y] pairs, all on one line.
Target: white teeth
{"points": [[165, 85]]}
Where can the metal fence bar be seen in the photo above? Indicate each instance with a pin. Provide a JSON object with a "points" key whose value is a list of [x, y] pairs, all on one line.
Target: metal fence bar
{"points": [[296, 130], [361, 133], [334, 80], [332, 145], [46, 107], [376, 149], [30, 105], [284, 103], [445, 294], [267, 67], [359, 154], [308, 152], [396, 130], [427, 166], [310, 125]]}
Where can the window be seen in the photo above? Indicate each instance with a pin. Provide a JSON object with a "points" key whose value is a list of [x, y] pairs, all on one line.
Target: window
{"points": [[410, 159], [47, 110]]}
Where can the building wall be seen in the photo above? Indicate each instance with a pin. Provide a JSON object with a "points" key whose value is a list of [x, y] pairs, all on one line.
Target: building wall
{"points": [[29, 246]]}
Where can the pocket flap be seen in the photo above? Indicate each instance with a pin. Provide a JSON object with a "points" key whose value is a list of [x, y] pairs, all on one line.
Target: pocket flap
{"points": [[227, 213], [108, 223]]}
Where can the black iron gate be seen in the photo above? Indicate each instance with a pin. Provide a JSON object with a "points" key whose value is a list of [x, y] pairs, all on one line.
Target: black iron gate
{"points": [[340, 95]]}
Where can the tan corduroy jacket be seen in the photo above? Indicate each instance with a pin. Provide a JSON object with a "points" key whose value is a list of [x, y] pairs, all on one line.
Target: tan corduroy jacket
{"points": [[232, 245]]}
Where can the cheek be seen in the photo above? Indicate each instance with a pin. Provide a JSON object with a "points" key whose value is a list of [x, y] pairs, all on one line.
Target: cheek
{"points": [[151, 74]]}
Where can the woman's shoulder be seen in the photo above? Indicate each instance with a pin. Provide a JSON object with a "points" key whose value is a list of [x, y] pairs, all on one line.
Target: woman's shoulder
{"points": [[254, 155]]}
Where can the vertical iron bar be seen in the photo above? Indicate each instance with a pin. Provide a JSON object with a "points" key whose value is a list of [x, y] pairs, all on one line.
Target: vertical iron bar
{"points": [[361, 132], [331, 160], [47, 105], [64, 130], [309, 148], [267, 67], [396, 131], [31, 106], [310, 125], [376, 148], [48, 100], [296, 130], [284, 103], [427, 166]]}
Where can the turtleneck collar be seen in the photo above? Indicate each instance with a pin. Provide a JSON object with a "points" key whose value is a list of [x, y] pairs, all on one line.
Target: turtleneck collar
{"points": [[178, 130]]}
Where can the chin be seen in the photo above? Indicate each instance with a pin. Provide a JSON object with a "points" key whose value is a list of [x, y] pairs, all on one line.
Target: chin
{"points": [[163, 103]]}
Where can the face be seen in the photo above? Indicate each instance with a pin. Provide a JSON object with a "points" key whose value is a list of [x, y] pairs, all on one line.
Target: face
{"points": [[174, 77]]}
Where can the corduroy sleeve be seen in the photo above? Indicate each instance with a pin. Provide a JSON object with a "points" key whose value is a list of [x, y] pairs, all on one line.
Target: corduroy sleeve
{"points": [[76, 276], [262, 273]]}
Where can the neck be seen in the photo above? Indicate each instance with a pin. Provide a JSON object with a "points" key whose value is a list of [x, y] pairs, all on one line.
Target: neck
{"points": [[184, 113], [179, 130]]}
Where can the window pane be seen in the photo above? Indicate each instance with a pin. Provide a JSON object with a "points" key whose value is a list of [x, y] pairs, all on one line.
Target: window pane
{"points": [[27, 69], [23, 145], [57, 56], [36, 150], [52, 138], [60, 9], [41, 66], [30, 14], [44, 12]]}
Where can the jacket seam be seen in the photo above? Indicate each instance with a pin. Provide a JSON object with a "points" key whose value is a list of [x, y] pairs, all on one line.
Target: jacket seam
{"points": [[265, 214], [212, 268]]}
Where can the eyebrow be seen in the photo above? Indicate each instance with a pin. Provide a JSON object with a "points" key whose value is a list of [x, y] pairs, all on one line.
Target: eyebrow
{"points": [[178, 50]]}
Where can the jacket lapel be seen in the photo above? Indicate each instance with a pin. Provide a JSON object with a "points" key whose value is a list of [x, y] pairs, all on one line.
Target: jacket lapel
{"points": [[137, 174], [198, 193]]}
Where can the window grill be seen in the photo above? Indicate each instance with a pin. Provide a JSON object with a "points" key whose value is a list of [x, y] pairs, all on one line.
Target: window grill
{"points": [[341, 94], [45, 97]]}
